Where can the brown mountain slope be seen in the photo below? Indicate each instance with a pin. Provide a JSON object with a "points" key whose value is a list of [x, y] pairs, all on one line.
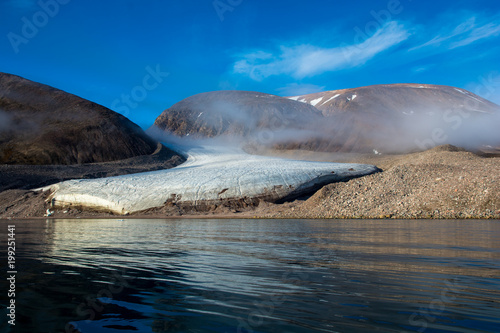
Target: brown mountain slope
{"points": [[43, 125], [404, 117], [398, 99], [234, 112], [393, 118]]}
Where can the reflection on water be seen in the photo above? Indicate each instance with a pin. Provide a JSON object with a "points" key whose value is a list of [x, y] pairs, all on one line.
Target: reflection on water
{"points": [[256, 276]]}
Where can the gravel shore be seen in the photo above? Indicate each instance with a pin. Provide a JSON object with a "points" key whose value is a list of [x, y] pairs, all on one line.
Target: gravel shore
{"points": [[444, 182]]}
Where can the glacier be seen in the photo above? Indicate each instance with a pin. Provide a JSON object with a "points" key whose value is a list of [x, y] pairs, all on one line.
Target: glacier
{"points": [[210, 174]]}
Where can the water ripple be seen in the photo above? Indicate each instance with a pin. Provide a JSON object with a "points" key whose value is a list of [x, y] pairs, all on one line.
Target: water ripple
{"points": [[258, 276]]}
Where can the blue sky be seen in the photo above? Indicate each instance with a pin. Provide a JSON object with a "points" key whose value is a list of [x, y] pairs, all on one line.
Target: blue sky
{"points": [[141, 57]]}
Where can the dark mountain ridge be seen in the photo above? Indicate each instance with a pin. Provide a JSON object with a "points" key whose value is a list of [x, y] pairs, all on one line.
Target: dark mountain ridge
{"points": [[41, 125]]}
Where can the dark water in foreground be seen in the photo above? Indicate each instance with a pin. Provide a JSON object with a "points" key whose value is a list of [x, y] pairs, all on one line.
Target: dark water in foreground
{"points": [[254, 276]]}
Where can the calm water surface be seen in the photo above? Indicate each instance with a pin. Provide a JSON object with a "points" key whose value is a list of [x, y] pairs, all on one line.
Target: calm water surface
{"points": [[254, 276]]}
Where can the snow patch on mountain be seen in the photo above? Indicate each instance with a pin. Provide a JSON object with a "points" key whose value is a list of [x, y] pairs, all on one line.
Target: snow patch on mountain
{"points": [[461, 91], [477, 99], [298, 99], [331, 98], [316, 101]]}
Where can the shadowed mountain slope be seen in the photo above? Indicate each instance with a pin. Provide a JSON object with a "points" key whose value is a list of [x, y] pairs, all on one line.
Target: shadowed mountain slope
{"points": [[42, 125], [240, 113]]}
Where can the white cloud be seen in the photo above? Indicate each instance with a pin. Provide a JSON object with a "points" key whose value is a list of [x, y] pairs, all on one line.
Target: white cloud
{"points": [[309, 60], [483, 32], [467, 32]]}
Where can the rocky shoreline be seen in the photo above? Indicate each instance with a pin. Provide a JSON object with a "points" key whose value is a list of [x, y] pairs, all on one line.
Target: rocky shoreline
{"points": [[442, 183]]}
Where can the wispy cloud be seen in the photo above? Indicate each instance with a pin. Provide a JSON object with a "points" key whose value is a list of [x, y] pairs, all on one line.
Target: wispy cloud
{"points": [[309, 60], [421, 69], [473, 29], [482, 32]]}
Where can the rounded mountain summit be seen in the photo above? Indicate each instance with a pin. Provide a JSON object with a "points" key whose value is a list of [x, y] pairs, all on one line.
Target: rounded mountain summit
{"points": [[391, 118], [41, 125], [234, 112]]}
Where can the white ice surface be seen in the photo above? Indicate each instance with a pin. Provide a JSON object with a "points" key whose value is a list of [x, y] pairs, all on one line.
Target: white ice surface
{"points": [[210, 173]]}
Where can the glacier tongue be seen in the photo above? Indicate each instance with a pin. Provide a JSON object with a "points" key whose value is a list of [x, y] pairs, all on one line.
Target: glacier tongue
{"points": [[211, 173]]}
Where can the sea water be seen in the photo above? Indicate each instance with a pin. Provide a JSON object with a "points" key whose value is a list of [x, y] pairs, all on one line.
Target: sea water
{"points": [[250, 275]]}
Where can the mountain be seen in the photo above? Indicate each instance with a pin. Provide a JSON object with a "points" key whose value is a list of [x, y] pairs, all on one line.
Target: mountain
{"points": [[240, 113], [402, 117], [41, 125], [398, 99], [394, 118]]}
